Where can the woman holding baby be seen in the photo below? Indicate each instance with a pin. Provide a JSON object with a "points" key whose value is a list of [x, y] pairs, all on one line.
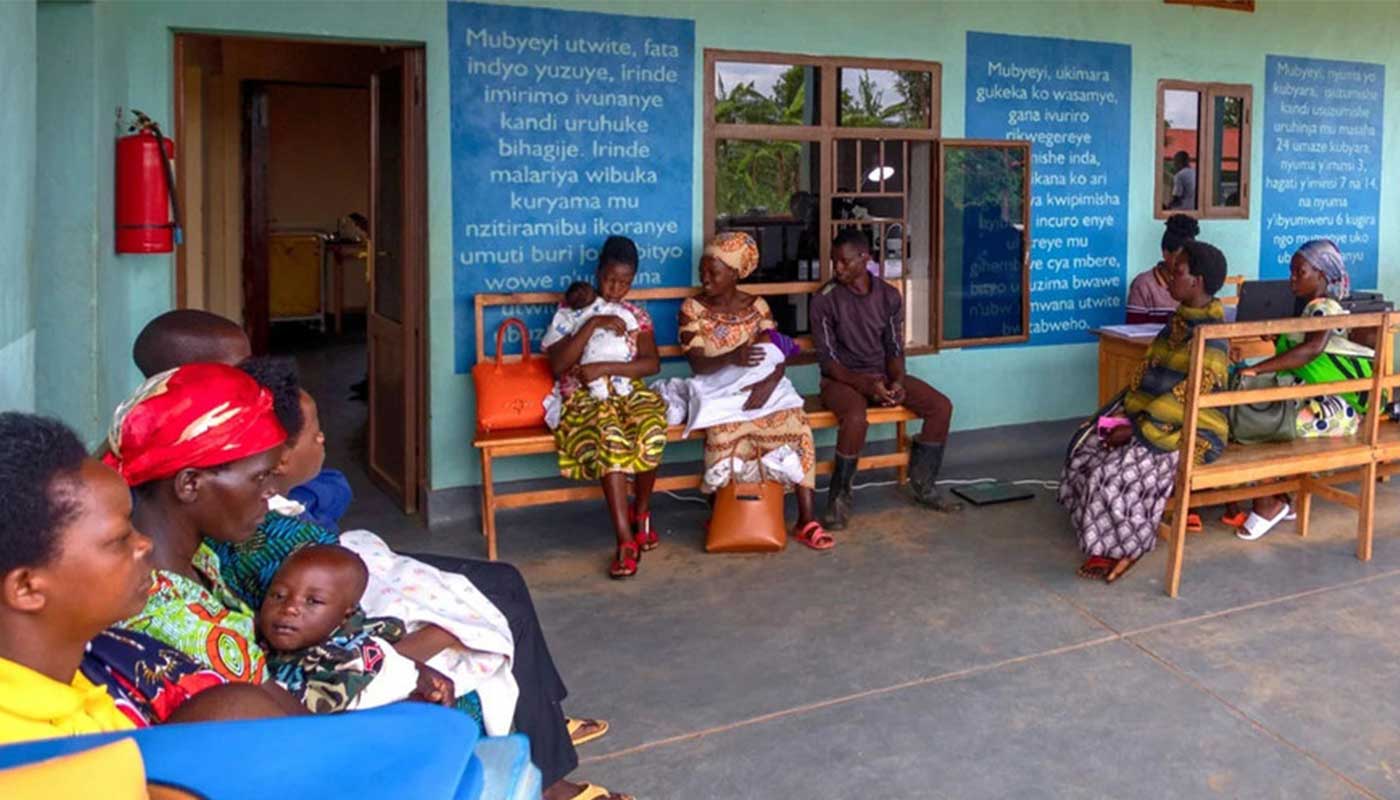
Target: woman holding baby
{"points": [[611, 426], [724, 328]]}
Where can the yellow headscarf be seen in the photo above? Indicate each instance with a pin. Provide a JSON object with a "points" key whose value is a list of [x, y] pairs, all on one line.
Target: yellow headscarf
{"points": [[736, 250]]}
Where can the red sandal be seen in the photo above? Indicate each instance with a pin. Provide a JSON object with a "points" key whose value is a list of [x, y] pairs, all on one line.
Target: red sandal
{"points": [[815, 536], [642, 533], [624, 565]]}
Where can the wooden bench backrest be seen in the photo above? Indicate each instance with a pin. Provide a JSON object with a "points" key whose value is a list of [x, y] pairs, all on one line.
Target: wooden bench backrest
{"points": [[484, 301], [1195, 401]]}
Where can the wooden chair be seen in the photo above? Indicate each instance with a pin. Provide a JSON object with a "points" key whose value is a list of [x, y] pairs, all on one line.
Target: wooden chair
{"points": [[1309, 467]]}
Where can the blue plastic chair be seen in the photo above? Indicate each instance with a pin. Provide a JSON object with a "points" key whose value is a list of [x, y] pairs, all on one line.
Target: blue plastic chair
{"points": [[408, 750], [509, 775]]}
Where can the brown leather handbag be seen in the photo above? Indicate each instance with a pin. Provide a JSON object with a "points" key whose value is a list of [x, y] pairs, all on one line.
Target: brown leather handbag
{"points": [[748, 517]]}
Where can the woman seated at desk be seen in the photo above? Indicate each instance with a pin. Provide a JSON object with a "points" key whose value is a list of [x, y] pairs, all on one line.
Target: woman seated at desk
{"points": [[1318, 277], [1116, 487], [1149, 296]]}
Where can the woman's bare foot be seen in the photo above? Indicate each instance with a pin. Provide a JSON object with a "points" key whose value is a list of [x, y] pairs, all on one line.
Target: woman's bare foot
{"points": [[564, 790], [1096, 568], [1268, 507]]}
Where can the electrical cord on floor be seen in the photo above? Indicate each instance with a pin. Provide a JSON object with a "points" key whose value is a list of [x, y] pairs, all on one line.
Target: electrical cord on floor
{"points": [[1048, 486]]}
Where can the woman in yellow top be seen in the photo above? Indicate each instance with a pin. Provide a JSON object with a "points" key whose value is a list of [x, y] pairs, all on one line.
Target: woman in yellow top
{"points": [[71, 564]]}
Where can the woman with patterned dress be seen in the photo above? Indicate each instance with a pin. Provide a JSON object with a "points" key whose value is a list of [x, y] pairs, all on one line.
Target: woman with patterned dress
{"points": [[1116, 487], [200, 447], [619, 436], [722, 327], [1319, 279]]}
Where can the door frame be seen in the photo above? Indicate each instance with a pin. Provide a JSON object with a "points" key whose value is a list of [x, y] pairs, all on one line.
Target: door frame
{"points": [[413, 288], [416, 284]]}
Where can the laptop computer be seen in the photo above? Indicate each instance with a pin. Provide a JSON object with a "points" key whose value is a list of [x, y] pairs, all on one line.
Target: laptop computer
{"points": [[1261, 300]]}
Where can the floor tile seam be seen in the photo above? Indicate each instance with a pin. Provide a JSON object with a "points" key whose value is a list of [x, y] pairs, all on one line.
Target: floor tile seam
{"points": [[865, 694], [1081, 609], [1258, 604], [1115, 635], [1258, 724]]}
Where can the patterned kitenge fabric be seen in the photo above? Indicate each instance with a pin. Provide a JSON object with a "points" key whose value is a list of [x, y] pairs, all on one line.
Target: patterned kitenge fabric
{"points": [[327, 677], [715, 333], [1343, 359], [210, 625], [619, 434], [198, 415], [1157, 402], [248, 567], [1116, 495], [147, 678]]}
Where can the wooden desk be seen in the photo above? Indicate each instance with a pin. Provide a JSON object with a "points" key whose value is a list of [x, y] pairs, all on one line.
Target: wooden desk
{"points": [[1119, 357]]}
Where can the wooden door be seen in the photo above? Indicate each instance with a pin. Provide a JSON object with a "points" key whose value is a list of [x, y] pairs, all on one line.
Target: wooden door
{"points": [[256, 155], [398, 250]]}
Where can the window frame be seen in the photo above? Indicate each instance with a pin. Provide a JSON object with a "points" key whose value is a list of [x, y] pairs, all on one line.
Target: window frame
{"points": [[1207, 92], [939, 342], [826, 136]]}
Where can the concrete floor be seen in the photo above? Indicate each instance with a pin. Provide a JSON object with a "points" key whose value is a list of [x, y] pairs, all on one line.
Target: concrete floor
{"points": [[953, 657]]}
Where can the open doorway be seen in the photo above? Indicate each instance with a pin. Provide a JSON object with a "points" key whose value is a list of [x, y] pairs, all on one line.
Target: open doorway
{"points": [[303, 166]]}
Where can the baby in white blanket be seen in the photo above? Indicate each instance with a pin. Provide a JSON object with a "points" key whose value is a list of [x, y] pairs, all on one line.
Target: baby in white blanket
{"points": [[583, 303]]}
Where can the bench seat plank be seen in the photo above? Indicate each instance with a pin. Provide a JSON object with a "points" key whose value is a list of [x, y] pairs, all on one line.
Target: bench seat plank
{"points": [[540, 439], [1255, 462]]}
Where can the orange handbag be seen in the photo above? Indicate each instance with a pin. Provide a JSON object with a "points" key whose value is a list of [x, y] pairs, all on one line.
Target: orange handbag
{"points": [[511, 395], [748, 518]]}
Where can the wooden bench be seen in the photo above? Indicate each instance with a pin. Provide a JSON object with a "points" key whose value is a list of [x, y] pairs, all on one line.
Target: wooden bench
{"points": [[1307, 467], [539, 441]]}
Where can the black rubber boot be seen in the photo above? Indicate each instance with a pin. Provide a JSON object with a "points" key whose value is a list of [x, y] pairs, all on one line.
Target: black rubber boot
{"points": [[925, 461], [838, 496]]}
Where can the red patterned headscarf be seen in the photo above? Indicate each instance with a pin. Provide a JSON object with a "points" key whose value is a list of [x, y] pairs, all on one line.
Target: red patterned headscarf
{"points": [[195, 416]]}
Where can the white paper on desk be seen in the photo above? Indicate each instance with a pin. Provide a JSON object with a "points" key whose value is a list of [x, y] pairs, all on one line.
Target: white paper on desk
{"points": [[1145, 330]]}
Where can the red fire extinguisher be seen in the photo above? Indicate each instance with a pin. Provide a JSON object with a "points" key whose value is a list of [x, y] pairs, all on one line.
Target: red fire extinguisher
{"points": [[146, 191]]}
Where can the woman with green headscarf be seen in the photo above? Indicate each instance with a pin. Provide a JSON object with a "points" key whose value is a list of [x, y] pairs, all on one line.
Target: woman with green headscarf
{"points": [[1318, 277]]}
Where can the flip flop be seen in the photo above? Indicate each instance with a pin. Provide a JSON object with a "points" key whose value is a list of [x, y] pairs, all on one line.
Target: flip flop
{"points": [[815, 536], [1235, 520], [1193, 523], [1257, 527], [592, 791], [576, 725]]}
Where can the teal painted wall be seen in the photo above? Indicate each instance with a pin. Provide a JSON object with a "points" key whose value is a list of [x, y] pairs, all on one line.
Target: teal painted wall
{"points": [[990, 386], [18, 83]]}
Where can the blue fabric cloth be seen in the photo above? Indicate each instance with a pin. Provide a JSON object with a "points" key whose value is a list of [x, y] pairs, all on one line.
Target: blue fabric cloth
{"points": [[326, 498], [416, 749]]}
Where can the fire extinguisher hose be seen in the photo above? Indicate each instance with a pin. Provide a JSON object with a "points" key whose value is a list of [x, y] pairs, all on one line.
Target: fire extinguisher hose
{"points": [[179, 231]]}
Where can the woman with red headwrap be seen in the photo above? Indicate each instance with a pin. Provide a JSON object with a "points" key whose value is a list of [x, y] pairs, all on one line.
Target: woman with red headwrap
{"points": [[200, 446]]}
